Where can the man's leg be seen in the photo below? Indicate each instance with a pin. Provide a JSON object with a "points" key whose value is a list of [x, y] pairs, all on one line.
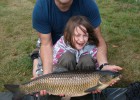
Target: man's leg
{"points": [[34, 56], [35, 64]]}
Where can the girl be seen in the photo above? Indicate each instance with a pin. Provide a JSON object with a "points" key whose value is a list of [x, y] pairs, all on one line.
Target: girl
{"points": [[77, 49]]}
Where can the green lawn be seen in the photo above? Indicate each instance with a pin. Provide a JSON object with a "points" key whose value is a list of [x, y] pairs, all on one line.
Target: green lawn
{"points": [[120, 28]]}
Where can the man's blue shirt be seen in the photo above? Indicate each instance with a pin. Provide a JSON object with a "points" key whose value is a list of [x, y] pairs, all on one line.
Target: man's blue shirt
{"points": [[47, 18]]}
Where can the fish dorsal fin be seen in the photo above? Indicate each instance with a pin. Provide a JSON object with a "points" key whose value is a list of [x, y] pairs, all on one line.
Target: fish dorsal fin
{"points": [[60, 70], [93, 88]]}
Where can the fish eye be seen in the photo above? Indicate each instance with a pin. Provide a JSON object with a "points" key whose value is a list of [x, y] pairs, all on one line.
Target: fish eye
{"points": [[113, 76]]}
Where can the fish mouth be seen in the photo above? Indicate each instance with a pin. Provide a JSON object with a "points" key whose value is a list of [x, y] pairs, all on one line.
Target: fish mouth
{"points": [[118, 77]]}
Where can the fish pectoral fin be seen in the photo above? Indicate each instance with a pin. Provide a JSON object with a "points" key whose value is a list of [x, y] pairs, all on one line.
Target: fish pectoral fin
{"points": [[92, 89]]}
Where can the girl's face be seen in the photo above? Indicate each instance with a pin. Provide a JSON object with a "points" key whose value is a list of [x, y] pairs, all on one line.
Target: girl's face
{"points": [[80, 37]]}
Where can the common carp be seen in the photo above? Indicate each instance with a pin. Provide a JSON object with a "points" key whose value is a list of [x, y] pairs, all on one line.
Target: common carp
{"points": [[70, 84]]}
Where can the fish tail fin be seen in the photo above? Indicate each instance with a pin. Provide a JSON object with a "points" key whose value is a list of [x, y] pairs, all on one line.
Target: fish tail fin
{"points": [[15, 90], [12, 88]]}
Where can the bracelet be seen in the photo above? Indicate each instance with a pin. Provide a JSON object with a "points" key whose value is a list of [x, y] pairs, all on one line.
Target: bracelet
{"points": [[104, 64]]}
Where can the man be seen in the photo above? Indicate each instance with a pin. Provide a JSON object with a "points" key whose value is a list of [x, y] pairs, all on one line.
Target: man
{"points": [[49, 19]]}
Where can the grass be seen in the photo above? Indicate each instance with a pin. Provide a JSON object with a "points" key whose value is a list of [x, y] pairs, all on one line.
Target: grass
{"points": [[17, 40], [120, 28]]}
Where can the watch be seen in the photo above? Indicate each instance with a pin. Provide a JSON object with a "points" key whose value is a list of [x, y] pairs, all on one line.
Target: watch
{"points": [[102, 65]]}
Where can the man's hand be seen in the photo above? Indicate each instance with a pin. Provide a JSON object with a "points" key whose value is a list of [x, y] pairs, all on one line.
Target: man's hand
{"points": [[113, 68], [42, 92]]}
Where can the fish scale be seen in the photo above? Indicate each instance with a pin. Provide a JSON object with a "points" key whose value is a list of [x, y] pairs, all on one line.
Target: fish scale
{"points": [[54, 85], [69, 83]]}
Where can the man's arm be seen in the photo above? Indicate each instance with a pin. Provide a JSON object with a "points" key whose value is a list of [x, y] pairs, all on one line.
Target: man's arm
{"points": [[102, 53], [46, 52], [102, 48]]}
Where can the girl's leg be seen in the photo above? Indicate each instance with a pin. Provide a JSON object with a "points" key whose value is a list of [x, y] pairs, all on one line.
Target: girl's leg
{"points": [[68, 61], [86, 63]]}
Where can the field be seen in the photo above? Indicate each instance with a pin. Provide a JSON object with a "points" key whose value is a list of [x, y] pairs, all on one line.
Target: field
{"points": [[120, 28]]}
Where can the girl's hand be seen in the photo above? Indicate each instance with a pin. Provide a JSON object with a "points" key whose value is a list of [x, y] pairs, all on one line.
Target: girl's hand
{"points": [[96, 91]]}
